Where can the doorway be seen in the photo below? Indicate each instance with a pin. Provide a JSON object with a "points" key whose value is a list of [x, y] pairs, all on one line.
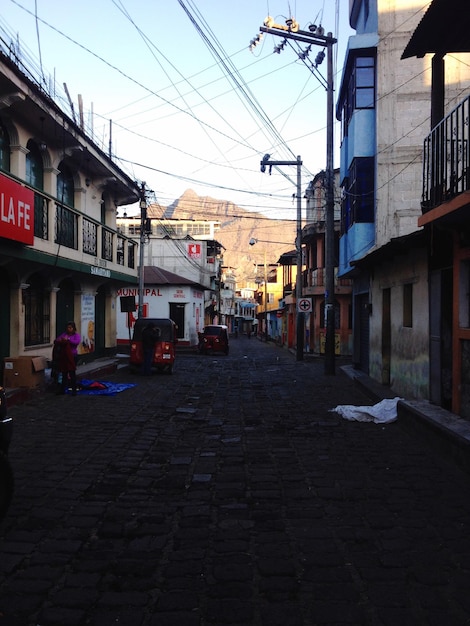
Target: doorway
{"points": [[177, 315], [386, 336]]}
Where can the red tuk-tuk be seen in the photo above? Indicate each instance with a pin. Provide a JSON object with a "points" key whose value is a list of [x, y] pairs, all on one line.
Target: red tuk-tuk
{"points": [[214, 338], [164, 354]]}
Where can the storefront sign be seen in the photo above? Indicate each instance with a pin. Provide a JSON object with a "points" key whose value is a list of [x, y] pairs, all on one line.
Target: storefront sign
{"points": [[133, 291], [100, 271], [16, 211]]}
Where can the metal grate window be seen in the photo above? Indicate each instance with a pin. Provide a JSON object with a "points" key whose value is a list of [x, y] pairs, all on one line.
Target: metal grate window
{"points": [[90, 237], [106, 244], [66, 227], [41, 217]]}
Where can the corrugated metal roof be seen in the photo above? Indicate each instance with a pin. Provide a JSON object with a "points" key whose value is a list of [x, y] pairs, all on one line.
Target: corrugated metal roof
{"points": [[445, 27], [158, 276]]}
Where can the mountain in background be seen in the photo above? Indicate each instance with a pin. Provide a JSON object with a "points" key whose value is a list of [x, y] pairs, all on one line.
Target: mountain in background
{"points": [[237, 227]]}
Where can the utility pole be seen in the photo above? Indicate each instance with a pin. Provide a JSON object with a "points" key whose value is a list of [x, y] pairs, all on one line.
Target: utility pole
{"points": [[315, 35], [298, 246], [266, 334], [143, 223], [330, 228]]}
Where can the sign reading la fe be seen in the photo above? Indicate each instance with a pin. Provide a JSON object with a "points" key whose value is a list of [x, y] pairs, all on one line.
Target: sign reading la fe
{"points": [[16, 211]]}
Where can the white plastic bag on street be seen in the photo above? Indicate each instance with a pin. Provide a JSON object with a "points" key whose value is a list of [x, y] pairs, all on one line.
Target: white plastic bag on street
{"points": [[383, 412]]}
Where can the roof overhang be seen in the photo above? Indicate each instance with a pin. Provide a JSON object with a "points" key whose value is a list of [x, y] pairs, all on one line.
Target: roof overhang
{"points": [[396, 246], [444, 28]]}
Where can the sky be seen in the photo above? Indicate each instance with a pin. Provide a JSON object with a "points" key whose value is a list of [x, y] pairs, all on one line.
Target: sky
{"points": [[172, 88]]}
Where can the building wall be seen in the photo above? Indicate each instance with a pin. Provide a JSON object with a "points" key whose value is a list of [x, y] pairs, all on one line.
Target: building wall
{"points": [[403, 117], [174, 255], [157, 301], [65, 251], [402, 114], [394, 134], [409, 362]]}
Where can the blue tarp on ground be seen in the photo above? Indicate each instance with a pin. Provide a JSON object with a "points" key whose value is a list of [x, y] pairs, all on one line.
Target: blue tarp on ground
{"points": [[100, 388]]}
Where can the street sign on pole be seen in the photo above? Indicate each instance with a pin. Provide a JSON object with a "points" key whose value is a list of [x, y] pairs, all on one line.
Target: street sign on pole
{"points": [[305, 305]]}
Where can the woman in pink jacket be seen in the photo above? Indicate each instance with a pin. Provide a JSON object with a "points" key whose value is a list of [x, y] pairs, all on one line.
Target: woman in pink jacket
{"points": [[65, 355]]}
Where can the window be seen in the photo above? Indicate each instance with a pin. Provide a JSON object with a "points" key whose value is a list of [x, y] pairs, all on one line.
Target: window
{"points": [[66, 227], [65, 186], [360, 90], [37, 312], [364, 84], [4, 149], [106, 244], [89, 237], [35, 178], [41, 217], [358, 206], [408, 305], [34, 166]]}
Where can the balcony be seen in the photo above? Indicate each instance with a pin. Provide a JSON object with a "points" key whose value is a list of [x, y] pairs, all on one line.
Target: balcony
{"points": [[313, 281], [446, 159], [80, 233]]}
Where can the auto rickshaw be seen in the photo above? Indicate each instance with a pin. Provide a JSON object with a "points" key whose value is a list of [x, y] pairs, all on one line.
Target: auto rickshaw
{"points": [[214, 338], [164, 353]]}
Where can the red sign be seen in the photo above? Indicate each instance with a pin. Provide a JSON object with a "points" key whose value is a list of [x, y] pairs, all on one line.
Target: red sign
{"points": [[16, 211], [194, 250]]}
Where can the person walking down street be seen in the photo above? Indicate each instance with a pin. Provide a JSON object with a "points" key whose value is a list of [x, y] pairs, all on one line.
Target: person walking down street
{"points": [[150, 336], [65, 357]]}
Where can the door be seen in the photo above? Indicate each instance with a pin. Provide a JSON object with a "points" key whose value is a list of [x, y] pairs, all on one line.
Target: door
{"points": [[440, 337], [362, 330], [386, 336], [177, 315]]}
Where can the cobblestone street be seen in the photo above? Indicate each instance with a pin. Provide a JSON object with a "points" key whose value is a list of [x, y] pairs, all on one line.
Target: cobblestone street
{"points": [[228, 493]]}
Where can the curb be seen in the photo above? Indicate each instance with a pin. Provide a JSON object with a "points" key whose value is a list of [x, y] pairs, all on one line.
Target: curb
{"points": [[445, 432]]}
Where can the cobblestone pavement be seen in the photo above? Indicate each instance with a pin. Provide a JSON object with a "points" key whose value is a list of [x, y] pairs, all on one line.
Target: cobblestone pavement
{"points": [[229, 494]]}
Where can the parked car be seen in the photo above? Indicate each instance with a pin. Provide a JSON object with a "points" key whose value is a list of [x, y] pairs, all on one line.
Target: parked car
{"points": [[214, 338], [6, 472], [164, 354]]}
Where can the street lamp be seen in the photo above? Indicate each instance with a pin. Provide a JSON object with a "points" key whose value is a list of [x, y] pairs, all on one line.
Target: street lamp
{"points": [[298, 246]]}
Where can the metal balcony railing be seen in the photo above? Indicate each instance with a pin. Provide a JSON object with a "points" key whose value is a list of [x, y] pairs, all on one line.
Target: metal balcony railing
{"points": [[70, 224], [66, 227], [446, 159], [316, 278]]}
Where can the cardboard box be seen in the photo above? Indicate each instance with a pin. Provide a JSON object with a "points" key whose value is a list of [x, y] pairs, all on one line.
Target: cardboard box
{"points": [[24, 371]]}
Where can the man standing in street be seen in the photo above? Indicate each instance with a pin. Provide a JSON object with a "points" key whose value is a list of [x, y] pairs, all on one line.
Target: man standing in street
{"points": [[150, 336]]}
